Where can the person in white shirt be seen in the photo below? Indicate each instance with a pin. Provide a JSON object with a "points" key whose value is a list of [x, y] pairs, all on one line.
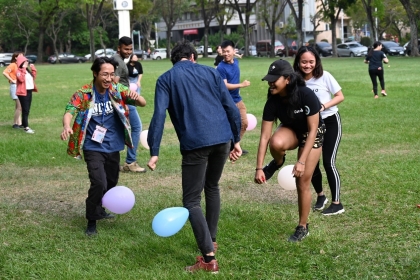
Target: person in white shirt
{"points": [[308, 64]]}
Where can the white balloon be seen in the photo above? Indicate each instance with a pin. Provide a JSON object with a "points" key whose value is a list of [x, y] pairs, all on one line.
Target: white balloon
{"points": [[286, 179], [143, 138]]}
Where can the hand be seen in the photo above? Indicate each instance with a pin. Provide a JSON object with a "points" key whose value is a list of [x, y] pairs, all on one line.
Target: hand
{"points": [[259, 177], [133, 95], [246, 83], [66, 132], [152, 162], [236, 153], [298, 170]]}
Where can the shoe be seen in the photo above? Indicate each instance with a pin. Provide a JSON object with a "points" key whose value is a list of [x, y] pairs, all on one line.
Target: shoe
{"points": [[106, 215], [334, 209], [376, 96], [30, 131], [271, 168], [299, 234], [321, 201], [383, 93], [91, 230], [21, 126], [212, 266], [244, 152], [132, 167], [15, 126]]}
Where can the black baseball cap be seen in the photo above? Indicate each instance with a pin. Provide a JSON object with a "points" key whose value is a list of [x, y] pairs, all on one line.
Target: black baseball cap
{"points": [[277, 69]]}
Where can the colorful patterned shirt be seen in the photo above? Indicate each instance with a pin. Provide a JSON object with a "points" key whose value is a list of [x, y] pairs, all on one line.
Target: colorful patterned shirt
{"points": [[81, 105]]}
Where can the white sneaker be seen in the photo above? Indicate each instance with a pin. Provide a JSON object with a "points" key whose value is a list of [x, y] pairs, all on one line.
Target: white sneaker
{"points": [[30, 131]]}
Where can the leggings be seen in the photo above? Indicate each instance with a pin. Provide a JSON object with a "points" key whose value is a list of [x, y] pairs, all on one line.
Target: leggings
{"points": [[373, 73], [25, 102], [332, 138]]}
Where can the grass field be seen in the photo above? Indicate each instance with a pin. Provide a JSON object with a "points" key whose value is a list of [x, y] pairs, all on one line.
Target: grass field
{"points": [[42, 192]]}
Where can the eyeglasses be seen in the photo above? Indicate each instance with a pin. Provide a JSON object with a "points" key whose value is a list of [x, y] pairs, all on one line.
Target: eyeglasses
{"points": [[107, 75]]}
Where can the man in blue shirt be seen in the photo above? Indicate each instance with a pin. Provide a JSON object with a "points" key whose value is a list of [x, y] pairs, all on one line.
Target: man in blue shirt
{"points": [[229, 70], [207, 124]]}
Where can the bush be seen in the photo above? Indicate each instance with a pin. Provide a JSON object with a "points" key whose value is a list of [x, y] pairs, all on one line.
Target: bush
{"points": [[338, 40], [311, 42], [365, 41], [324, 40]]}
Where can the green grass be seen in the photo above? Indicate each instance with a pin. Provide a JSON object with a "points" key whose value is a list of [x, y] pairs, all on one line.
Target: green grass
{"points": [[43, 190]]}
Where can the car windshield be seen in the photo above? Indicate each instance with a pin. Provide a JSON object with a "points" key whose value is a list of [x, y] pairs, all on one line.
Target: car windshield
{"points": [[355, 45], [324, 45], [278, 44]]}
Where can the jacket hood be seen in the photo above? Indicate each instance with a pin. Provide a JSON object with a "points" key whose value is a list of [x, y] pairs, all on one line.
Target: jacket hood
{"points": [[20, 59]]}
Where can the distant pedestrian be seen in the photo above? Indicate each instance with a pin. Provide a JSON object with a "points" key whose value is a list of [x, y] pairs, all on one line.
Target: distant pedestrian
{"points": [[10, 73], [26, 75], [374, 58]]}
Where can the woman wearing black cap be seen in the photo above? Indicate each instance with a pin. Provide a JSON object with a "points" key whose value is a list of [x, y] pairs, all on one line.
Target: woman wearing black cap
{"points": [[301, 126]]}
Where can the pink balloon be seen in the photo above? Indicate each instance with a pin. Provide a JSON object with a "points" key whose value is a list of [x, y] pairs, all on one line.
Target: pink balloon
{"points": [[252, 121], [119, 199], [133, 86]]}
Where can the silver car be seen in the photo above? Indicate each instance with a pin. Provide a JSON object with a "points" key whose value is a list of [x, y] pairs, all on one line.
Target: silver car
{"points": [[351, 49]]}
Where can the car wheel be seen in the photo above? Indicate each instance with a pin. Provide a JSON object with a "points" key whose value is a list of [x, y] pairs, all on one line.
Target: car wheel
{"points": [[351, 54], [79, 61], [321, 55], [158, 58], [2, 64]]}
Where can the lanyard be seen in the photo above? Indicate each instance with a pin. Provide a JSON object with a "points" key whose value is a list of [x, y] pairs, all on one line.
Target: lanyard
{"points": [[103, 99]]}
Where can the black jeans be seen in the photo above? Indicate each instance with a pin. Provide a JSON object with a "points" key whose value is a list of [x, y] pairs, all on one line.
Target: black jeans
{"points": [[373, 73], [25, 102], [104, 170], [202, 169], [332, 139]]}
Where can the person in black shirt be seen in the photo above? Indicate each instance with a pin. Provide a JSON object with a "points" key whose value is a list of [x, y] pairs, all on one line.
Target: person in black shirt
{"points": [[301, 126], [376, 69]]}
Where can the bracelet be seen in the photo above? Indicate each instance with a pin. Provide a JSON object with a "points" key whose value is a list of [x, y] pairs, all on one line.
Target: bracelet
{"points": [[258, 169], [301, 163]]}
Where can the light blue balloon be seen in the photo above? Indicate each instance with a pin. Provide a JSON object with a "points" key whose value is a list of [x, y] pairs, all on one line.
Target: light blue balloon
{"points": [[169, 221]]}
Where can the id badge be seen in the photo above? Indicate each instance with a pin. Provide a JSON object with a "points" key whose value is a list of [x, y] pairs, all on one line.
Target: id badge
{"points": [[99, 134]]}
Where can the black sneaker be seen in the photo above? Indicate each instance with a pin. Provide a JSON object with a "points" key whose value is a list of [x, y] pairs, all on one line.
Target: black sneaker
{"points": [[271, 168], [245, 152], [321, 201], [16, 126], [106, 215], [334, 209], [299, 234], [91, 230]]}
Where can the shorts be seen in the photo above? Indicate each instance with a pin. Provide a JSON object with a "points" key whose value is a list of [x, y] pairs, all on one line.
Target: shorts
{"points": [[319, 139], [13, 91]]}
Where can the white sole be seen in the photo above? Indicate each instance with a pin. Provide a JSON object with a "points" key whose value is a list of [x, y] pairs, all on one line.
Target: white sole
{"points": [[335, 213]]}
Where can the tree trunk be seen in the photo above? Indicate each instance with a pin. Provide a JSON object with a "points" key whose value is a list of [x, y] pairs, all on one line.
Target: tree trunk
{"points": [[413, 26], [40, 50]]}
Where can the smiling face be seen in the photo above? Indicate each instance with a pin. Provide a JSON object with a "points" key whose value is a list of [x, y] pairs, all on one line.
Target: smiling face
{"points": [[125, 50], [104, 77], [279, 86], [228, 54], [307, 64]]}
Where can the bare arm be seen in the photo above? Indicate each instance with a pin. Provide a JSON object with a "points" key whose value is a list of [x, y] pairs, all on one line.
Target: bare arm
{"points": [[245, 83], [266, 129], [337, 99], [67, 130]]}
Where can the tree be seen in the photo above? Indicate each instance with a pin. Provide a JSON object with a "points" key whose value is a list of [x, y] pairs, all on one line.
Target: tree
{"points": [[208, 10], [371, 8], [93, 11], [288, 31], [54, 28], [170, 11], [409, 7], [298, 16], [331, 9], [223, 16], [270, 12], [316, 21], [247, 9]]}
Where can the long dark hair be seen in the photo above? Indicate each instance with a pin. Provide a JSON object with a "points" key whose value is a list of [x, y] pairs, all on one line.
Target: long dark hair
{"points": [[318, 70], [375, 45], [292, 92]]}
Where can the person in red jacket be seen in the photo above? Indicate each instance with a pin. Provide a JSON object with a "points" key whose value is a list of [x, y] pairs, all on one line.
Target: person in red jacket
{"points": [[25, 85]]}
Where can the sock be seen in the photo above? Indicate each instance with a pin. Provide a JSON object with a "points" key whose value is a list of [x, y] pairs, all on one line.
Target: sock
{"points": [[91, 223], [213, 239], [208, 259]]}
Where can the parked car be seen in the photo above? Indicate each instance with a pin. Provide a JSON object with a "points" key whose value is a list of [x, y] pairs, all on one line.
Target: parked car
{"points": [[31, 58], [99, 52], [407, 48], [158, 54], [139, 53], [5, 59], [264, 47], [200, 50], [292, 51], [323, 49], [392, 48], [66, 58], [252, 50], [351, 49], [108, 53]]}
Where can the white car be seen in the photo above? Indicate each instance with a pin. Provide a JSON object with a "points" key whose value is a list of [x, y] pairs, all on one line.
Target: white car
{"points": [[100, 53], [200, 50], [158, 54]]}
